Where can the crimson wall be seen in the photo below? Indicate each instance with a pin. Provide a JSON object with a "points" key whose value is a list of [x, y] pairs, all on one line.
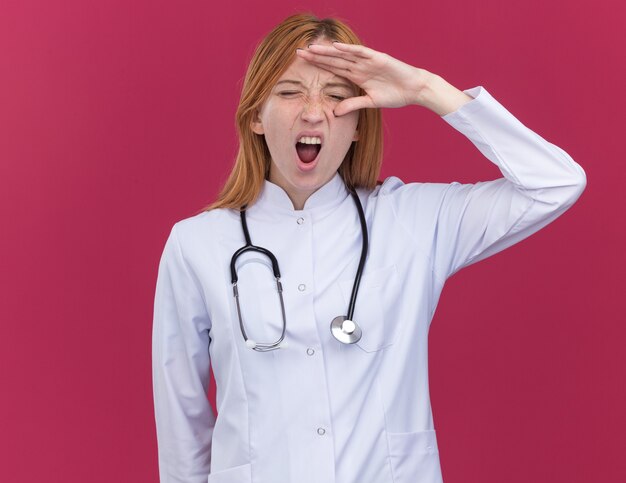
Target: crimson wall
{"points": [[117, 120]]}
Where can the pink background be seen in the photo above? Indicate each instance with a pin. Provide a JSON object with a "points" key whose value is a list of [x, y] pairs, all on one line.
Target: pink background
{"points": [[117, 120]]}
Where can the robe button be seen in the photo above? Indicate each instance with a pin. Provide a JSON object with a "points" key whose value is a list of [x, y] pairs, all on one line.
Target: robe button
{"points": [[310, 351], [321, 431], [300, 221], [302, 287]]}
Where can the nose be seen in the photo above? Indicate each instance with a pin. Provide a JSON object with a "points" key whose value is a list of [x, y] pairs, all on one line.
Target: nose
{"points": [[313, 111]]}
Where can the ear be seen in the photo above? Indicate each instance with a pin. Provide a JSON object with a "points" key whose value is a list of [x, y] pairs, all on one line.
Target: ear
{"points": [[256, 125], [356, 135]]}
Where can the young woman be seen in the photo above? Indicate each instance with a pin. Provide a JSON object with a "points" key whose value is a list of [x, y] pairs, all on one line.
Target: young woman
{"points": [[309, 287]]}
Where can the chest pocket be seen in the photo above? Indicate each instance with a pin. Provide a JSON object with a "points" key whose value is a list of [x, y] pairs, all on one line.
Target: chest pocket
{"points": [[372, 311]]}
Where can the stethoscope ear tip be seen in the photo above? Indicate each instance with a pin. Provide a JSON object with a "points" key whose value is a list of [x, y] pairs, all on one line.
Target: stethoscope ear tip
{"points": [[251, 344], [283, 345]]}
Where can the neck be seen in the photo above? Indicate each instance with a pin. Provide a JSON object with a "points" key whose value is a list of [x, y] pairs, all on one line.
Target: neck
{"points": [[298, 200], [298, 197]]}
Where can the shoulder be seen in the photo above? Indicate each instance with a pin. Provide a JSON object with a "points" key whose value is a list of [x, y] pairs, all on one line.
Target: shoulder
{"points": [[202, 226], [395, 189]]}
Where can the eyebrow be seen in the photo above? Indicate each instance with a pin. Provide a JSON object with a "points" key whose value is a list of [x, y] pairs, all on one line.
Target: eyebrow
{"points": [[330, 84]]}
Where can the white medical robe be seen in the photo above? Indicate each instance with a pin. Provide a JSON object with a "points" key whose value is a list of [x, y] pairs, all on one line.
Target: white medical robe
{"points": [[319, 411]]}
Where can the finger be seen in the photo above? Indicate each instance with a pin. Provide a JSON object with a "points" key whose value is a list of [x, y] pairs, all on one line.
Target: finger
{"points": [[358, 50], [346, 74], [352, 104], [333, 69], [332, 51], [327, 60], [323, 52]]}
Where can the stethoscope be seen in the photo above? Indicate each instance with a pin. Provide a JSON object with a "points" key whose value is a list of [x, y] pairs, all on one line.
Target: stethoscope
{"points": [[343, 328]]}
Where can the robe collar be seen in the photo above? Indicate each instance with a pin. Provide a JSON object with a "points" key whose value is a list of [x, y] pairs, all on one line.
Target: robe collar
{"points": [[273, 200]]}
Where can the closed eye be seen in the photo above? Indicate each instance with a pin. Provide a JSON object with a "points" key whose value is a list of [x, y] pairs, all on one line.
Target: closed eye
{"points": [[288, 93]]}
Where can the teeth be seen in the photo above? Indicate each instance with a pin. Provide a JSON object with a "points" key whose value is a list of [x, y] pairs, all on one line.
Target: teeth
{"points": [[310, 140]]}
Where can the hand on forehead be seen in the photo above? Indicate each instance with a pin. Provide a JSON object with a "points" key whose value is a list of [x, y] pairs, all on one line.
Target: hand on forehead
{"points": [[311, 77]]}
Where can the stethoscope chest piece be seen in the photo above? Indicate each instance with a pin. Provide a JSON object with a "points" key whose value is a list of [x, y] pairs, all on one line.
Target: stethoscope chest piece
{"points": [[345, 330]]}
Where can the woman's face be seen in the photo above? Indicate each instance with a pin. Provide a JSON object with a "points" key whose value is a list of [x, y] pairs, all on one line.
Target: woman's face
{"points": [[306, 141]]}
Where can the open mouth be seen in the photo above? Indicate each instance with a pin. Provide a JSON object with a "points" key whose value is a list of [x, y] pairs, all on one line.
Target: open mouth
{"points": [[308, 148]]}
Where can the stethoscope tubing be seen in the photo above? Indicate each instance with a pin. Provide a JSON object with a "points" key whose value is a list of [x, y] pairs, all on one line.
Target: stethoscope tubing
{"points": [[249, 247], [364, 250]]}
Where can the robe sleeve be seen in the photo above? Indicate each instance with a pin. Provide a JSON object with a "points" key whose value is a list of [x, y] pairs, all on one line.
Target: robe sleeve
{"points": [[180, 369], [473, 221]]}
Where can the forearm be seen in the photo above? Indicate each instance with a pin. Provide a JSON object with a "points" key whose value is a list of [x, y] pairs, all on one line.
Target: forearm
{"points": [[541, 181], [180, 368], [438, 95]]}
